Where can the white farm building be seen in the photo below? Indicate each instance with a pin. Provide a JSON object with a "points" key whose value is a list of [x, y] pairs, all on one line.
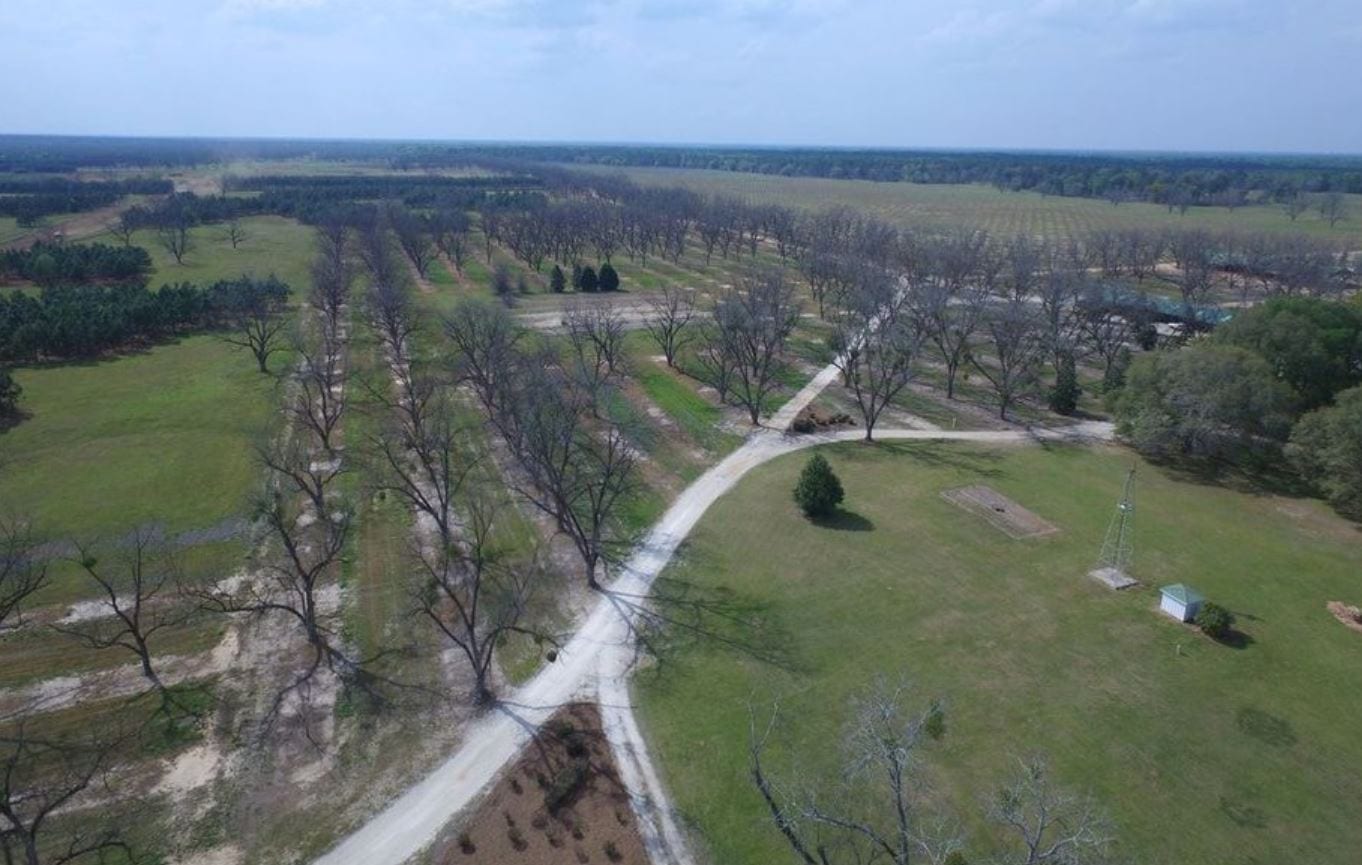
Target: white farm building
{"points": [[1181, 602]]}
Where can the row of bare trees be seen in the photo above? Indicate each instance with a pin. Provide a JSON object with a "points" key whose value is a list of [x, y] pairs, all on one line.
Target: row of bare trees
{"points": [[571, 463]]}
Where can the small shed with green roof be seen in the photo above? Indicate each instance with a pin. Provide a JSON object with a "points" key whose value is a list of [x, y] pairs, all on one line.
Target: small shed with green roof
{"points": [[1180, 601]]}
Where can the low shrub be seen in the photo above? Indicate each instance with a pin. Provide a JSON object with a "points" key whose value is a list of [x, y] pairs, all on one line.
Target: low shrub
{"points": [[1214, 620]]}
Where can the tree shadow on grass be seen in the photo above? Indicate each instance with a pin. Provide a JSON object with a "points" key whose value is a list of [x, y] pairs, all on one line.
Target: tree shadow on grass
{"points": [[10, 420], [1263, 477], [1235, 639], [979, 460], [1266, 728], [678, 614], [844, 521], [1242, 814]]}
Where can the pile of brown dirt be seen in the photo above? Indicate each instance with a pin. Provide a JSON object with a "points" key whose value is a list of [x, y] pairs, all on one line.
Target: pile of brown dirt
{"points": [[561, 804], [811, 419]]}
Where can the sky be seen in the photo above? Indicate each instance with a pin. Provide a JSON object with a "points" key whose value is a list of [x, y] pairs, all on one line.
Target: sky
{"points": [[1222, 75]]}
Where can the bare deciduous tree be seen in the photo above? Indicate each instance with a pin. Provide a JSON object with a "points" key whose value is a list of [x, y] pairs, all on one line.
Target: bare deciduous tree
{"points": [[414, 236], [174, 237], [258, 325], [823, 825], [714, 363], [1294, 204], [122, 227], [21, 571], [669, 325], [449, 229], [1051, 825], [576, 475], [486, 341], [948, 318], [236, 232], [320, 400], [595, 331], [420, 455], [133, 594], [1017, 349], [39, 777], [474, 593], [880, 342], [752, 324], [1332, 207]]}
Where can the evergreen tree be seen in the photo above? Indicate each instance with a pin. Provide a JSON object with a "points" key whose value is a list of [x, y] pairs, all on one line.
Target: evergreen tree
{"points": [[576, 277], [1064, 395], [818, 492], [590, 282], [10, 391], [609, 279], [557, 280], [1115, 377]]}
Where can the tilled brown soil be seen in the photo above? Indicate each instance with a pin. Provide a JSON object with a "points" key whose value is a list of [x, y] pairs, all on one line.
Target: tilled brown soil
{"points": [[561, 804]]}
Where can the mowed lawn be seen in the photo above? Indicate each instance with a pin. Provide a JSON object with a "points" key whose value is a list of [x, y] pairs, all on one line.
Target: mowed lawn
{"points": [[1201, 752], [273, 244], [164, 435]]}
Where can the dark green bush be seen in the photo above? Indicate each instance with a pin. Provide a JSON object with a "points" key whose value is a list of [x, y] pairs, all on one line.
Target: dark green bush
{"points": [[1214, 620], [818, 492]]}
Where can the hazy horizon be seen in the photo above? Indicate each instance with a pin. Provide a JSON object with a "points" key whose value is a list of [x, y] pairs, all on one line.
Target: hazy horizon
{"points": [[1125, 76]]}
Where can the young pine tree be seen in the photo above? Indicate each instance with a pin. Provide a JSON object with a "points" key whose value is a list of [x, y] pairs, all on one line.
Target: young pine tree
{"points": [[1064, 395], [589, 280], [558, 280], [609, 279], [818, 492]]}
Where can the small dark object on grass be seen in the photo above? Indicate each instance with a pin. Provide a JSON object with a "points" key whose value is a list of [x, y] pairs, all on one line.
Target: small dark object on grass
{"points": [[612, 852], [552, 655], [466, 844], [1214, 620], [517, 839]]}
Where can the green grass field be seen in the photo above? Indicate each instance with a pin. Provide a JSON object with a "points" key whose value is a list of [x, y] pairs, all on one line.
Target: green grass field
{"points": [[915, 205], [1252, 750], [273, 245], [161, 435], [10, 230]]}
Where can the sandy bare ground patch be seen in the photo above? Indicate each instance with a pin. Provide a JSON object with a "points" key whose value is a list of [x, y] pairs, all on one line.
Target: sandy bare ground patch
{"points": [[1000, 512], [1350, 616], [570, 759], [63, 692]]}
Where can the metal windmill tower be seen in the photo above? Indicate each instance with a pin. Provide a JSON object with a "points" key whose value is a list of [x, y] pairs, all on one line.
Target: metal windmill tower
{"points": [[1114, 561]]}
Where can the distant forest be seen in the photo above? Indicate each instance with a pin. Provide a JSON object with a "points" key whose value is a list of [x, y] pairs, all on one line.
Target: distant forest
{"points": [[1176, 180]]}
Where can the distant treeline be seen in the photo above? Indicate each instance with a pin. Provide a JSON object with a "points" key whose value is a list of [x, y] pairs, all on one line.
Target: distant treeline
{"points": [[69, 264], [30, 199], [1177, 180], [60, 153], [85, 321]]}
